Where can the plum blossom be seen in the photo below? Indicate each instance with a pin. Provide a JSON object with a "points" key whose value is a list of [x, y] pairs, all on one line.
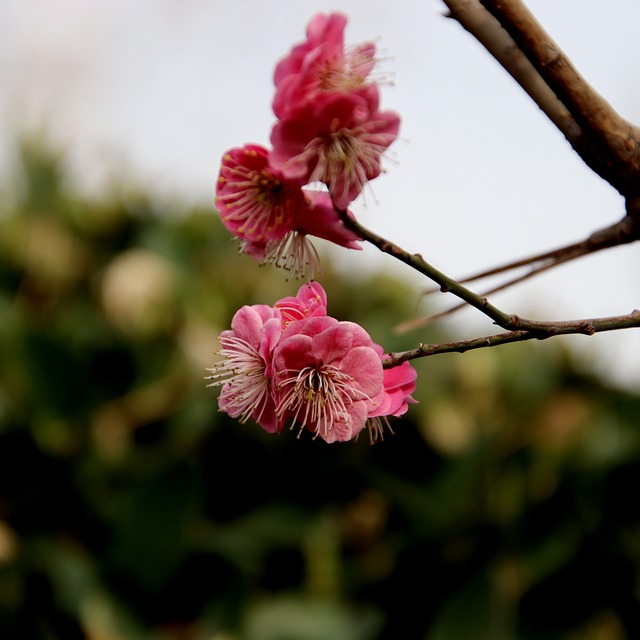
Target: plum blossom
{"points": [[316, 217], [330, 130], [256, 202], [327, 377], [310, 301], [330, 127], [246, 368], [272, 215], [293, 363], [322, 221], [337, 140], [321, 64]]}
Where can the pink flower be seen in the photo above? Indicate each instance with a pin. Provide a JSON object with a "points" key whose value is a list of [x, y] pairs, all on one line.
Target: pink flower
{"points": [[324, 32], [295, 252], [294, 363], [256, 202], [337, 139], [316, 217], [246, 369], [310, 301], [321, 64], [399, 383], [272, 215], [327, 377]]}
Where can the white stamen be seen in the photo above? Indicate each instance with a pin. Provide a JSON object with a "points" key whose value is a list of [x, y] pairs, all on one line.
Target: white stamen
{"points": [[318, 397], [243, 373]]}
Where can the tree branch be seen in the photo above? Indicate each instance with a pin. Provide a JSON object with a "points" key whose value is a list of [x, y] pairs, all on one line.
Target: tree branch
{"points": [[473, 17], [605, 141], [417, 262], [608, 143], [518, 328], [617, 234], [539, 331], [621, 232]]}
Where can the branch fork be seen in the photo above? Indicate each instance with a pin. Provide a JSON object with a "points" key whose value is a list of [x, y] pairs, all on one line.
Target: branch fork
{"points": [[605, 141]]}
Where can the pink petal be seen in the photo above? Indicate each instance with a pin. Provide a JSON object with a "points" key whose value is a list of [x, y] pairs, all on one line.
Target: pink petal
{"points": [[333, 343], [357, 421], [248, 322], [322, 220], [364, 365]]}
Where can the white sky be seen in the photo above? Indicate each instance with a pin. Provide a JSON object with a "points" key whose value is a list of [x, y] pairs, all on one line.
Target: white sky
{"points": [[157, 90]]}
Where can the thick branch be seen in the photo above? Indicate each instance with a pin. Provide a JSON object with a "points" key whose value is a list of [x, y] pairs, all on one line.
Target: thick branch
{"points": [[473, 17], [606, 142], [539, 331], [609, 144]]}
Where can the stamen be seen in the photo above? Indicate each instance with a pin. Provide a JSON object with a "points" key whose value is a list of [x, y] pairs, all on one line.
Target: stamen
{"points": [[376, 428], [295, 253], [318, 397], [346, 158], [243, 373], [256, 200], [356, 68]]}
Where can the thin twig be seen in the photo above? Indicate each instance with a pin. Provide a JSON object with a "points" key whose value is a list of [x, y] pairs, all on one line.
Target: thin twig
{"points": [[542, 331], [416, 323], [417, 262], [512, 323], [620, 233]]}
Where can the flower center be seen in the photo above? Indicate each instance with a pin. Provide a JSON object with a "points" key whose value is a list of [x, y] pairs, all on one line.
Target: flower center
{"points": [[268, 188], [350, 71], [257, 201], [318, 397], [346, 159]]}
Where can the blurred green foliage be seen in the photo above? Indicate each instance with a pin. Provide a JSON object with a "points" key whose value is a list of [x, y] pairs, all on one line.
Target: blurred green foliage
{"points": [[503, 508]]}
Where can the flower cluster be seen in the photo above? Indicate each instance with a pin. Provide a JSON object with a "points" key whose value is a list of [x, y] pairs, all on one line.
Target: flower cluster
{"points": [[294, 364], [329, 131]]}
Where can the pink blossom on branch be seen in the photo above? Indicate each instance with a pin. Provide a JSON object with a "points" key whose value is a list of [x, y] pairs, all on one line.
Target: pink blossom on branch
{"points": [[399, 384], [256, 202], [246, 368], [292, 363], [327, 378], [338, 140], [295, 364], [321, 64], [330, 128], [272, 215], [310, 301], [322, 221], [316, 217]]}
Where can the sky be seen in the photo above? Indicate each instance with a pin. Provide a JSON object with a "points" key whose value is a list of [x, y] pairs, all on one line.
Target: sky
{"points": [[155, 91]]}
